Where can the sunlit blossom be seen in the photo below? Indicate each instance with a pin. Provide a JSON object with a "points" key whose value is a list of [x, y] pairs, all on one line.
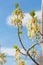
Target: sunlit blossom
{"points": [[32, 28]]}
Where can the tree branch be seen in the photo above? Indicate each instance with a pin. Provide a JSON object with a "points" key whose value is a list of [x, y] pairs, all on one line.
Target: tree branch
{"points": [[23, 53], [28, 54], [20, 40], [32, 58], [33, 46]]}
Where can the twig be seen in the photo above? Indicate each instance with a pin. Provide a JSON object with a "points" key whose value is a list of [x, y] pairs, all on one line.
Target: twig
{"points": [[23, 53], [32, 58], [20, 40], [33, 46], [26, 50]]}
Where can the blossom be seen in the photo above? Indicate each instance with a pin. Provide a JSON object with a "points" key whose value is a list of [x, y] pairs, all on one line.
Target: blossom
{"points": [[17, 54], [16, 19], [32, 28], [31, 33], [20, 62], [16, 12], [2, 58]]}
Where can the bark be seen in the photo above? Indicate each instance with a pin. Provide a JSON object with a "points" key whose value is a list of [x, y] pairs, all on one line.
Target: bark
{"points": [[42, 33]]}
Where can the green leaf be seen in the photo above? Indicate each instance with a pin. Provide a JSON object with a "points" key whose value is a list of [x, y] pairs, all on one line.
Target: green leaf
{"points": [[16, 5], [32, 13], [20, 33], [15, 46]]}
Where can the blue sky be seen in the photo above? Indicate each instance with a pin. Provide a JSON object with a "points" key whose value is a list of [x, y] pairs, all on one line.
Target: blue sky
{"points": [[8, 34]]}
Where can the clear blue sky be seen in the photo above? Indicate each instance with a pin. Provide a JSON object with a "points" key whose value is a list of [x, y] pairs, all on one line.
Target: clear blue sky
{"points": [[8, 35]]}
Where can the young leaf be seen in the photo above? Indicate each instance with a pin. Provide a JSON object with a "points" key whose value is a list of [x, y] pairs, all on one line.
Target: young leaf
{"points": [[32, 13], [20, 33], [15, 47], [16, 5]]}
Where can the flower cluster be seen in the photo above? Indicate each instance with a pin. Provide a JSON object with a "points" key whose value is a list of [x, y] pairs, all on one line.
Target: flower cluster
{"points": [[20, 62], [2, 58], [32, 27], [17, 56], [17, 17]]}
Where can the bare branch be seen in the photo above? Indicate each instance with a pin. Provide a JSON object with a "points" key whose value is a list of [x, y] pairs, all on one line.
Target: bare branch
{"points": [[20, 40], [33, 46], [32, 58], [26, 50], [23, 53]]}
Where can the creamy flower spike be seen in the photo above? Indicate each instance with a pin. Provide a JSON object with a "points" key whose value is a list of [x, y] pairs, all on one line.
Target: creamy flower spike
{"points": [[32, 28], [31, 33], [17, 17], [2, 58], [20, 62], [17, 54]]}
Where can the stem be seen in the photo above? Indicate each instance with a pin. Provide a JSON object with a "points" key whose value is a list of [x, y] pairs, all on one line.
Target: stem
{"points": [[20, 40], [33, 46], [26, 50], [32, 59], [23, 53]]}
